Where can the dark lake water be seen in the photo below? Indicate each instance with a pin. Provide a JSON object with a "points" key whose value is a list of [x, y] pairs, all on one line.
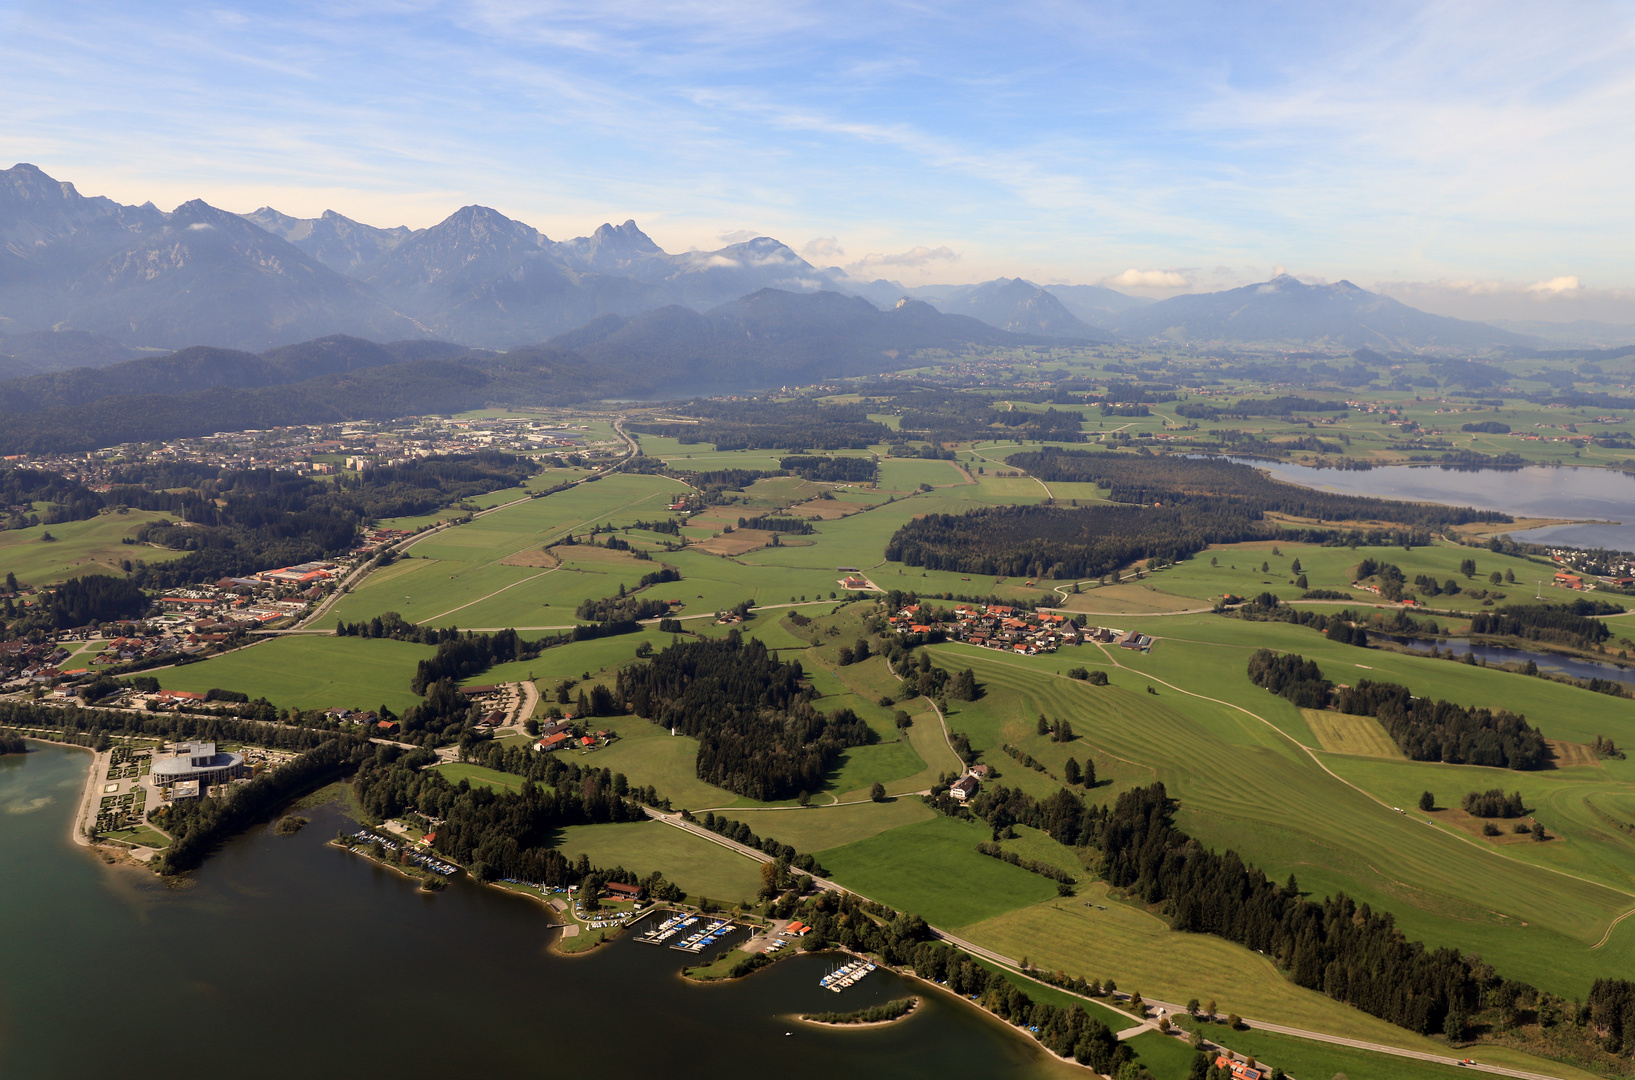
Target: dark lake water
{"points": [[288, 958], [1499, 654], [1534, 491]]}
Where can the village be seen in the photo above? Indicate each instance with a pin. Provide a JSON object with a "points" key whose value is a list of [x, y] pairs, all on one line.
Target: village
{"points": [[1011, 629]]}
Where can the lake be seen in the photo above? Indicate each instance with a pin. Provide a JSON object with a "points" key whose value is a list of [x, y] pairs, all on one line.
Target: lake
{"points": [[287, 957], [1532, 491], [1503, 654]]}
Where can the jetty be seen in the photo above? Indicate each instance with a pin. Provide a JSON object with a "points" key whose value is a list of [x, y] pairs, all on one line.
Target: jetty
{"points": [[848, 974]]}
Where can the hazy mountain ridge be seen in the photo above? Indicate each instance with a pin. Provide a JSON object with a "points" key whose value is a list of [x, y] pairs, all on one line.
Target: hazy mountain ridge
{"points": [[1020, 307], [1286, 309], [760, 341]]}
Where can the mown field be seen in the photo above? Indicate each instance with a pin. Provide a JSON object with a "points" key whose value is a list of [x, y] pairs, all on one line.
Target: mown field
{"points": [[310, 672]]}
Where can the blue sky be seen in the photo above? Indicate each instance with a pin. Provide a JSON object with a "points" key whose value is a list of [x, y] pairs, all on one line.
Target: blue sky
{"points": [[1480, 153]]}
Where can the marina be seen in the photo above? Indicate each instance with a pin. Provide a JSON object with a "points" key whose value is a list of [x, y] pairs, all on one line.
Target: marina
{"points": [[848, 974], [699, 940], [667, 929]]}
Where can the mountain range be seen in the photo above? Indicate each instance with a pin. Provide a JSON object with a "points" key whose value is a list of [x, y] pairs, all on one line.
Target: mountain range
{"points": [[116, 278]]}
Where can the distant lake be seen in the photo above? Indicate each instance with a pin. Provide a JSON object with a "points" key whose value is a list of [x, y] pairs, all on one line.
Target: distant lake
{"points": [[289, 958], [1503, 654], [1533, 491]]}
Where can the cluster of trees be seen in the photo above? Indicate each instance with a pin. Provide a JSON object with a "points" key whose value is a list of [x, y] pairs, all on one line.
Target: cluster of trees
{"points": [[1611, 1007], [1572, 624], [12, 743], [622, 611], [726, 479], [1053, 542], [772, 425], [1341, 627], [1425, 730], [1291, 676], [874, 1014], [1429, 730], [196, 828], [1487, 427], [494, 834], [1493, 804], [757, 732], [796, 526], [463, 655], [1065, 1032], [65, 499], [1144, 478], [1063, 815], [80, 601], [290, 732], [833, 470], [740, 833]]}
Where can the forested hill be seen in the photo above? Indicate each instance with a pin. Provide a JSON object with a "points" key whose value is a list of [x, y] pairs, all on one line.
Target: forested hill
{"points": [[203, 368], [757, 732], [1147, 479], [538, 376]]}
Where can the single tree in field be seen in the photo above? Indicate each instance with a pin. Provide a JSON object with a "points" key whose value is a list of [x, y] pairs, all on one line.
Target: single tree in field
{"points": [[1071, 772], [877, 791], [1089, 773], [1427, 802], [1209, 1009], [1468, 568], [1192, 1006], [1043, 726]]}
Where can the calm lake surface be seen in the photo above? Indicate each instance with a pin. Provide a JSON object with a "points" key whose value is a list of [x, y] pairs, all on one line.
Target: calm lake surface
{"points": [[288, 958], [1500, 654], [1533, 491]]}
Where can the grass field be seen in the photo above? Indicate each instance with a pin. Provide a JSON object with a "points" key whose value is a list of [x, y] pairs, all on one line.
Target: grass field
{"points": [[693, 863], [1343, 734], [933, 869], [310, 672], [79, 548], [478, 776], [1298, 818]]}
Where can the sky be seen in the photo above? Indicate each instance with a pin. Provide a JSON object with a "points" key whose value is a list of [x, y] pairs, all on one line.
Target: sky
{"points": [[1471, 158]]}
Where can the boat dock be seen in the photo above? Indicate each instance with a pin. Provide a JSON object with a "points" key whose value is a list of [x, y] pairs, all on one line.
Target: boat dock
{"points": [[669, 928], [845, 975], [699, 940]]}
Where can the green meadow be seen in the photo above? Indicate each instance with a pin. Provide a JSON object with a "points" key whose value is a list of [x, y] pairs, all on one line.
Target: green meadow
{"points": [[78, 548], [310, 672]]}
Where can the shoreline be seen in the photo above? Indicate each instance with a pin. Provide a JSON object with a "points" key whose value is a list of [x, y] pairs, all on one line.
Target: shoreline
{"points": [[75, 833]]}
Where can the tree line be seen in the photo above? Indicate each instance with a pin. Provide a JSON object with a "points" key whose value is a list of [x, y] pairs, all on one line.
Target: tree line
{"points": [[757, 732], [1423, 729], [1572, 624]]}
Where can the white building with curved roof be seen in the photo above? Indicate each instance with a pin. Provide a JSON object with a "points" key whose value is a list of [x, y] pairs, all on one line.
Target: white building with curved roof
{"points": [[198, 761]]}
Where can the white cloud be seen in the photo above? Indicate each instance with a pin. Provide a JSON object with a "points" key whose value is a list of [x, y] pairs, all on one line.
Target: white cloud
{"points": [[913, 258], [823, 247], [1148, 279], [1563, 298], [737, 236]]}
